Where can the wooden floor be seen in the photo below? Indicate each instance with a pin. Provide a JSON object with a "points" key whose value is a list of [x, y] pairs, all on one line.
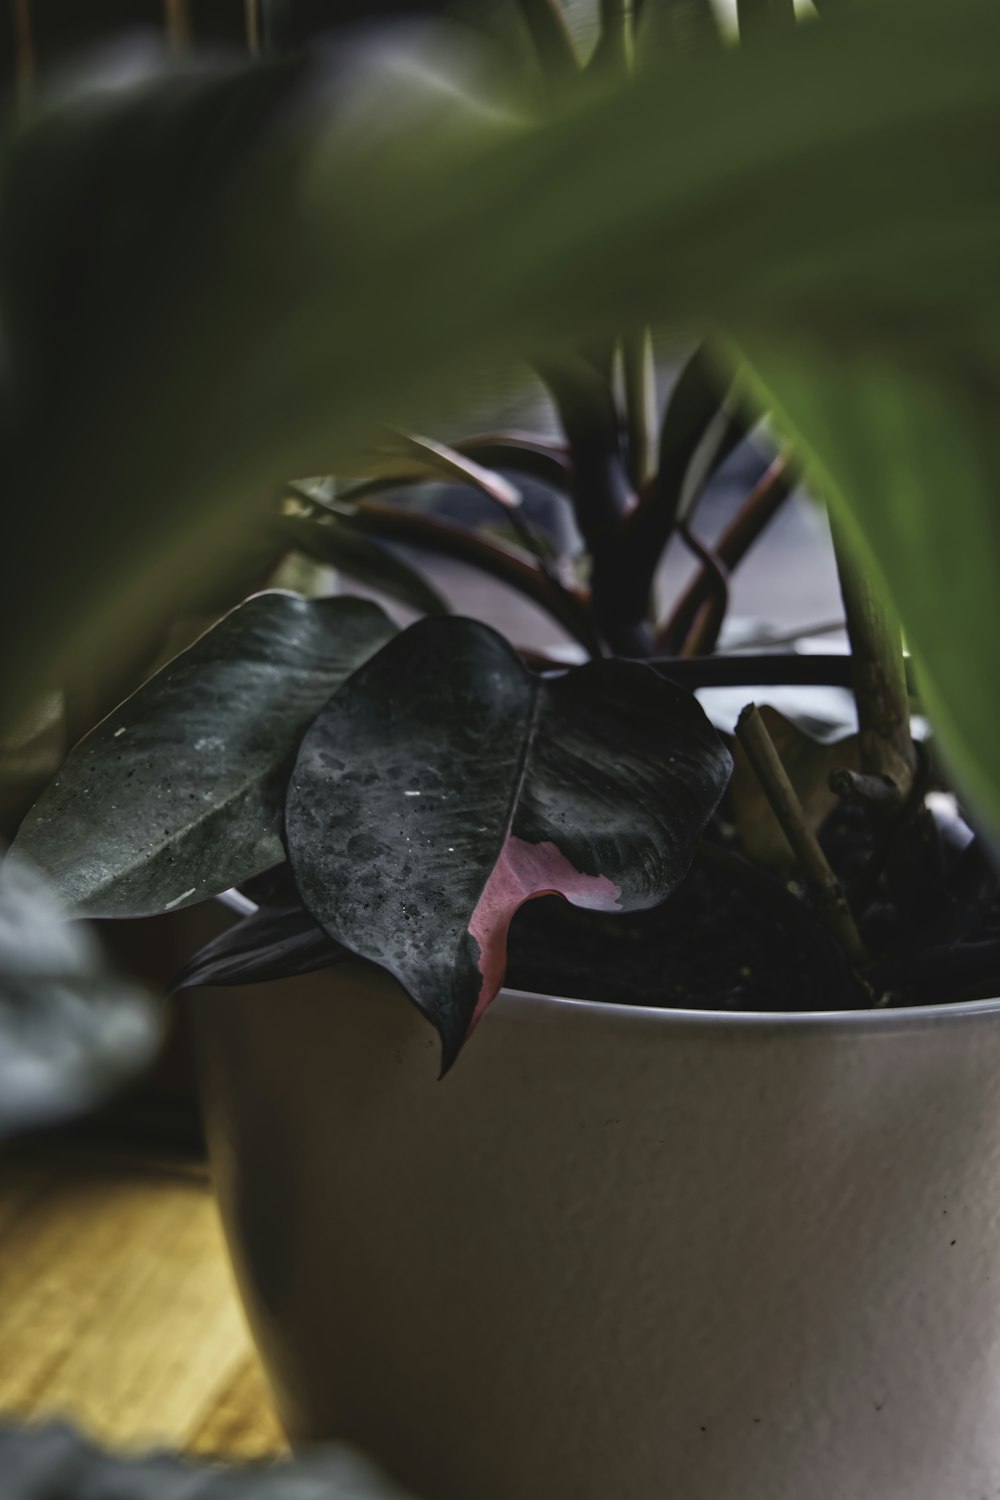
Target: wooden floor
{"points": [[118, 1310]]}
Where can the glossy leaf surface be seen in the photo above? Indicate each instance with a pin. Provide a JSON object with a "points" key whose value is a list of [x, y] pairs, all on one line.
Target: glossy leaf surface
{"points": [[178, 794], [445, 785], [449, 463]]}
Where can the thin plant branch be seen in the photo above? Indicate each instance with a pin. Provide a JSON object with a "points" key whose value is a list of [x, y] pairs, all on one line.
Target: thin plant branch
{"points": [[567, 605], [639, 379], [452, 464], [252, 27], [177, 19], [818, 877], [701, 641], [878, 674], [757, 512]]}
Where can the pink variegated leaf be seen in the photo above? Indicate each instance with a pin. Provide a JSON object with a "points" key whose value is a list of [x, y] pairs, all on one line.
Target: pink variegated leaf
{"points": [[444, 785]]}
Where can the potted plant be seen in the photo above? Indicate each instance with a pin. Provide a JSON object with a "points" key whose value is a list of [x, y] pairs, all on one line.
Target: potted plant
{"points": [[726, 1238]]}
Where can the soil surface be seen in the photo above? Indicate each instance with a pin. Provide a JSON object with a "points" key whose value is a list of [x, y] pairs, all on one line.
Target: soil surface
{"points": [[734, 937], [719, 943]]}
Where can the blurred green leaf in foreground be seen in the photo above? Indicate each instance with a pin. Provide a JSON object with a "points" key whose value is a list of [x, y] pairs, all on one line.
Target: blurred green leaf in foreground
{"points": [[210, 283]]}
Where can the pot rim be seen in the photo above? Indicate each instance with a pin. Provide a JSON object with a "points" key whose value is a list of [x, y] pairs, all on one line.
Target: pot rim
{"points": [[526, 1003]]}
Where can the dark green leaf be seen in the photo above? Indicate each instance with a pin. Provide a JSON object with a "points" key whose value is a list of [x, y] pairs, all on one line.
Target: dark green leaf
{"points": [[515, 452], [444, 785], [277, 941], [177, 795], [449, 463], [331, 541], [522, 453], [697, 434], [697, 426], [70, 1028], [909, 460]]}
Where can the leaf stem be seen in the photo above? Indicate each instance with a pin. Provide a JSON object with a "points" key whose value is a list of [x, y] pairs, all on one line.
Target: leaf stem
{"points": [[819, 878], [177, 19], [708, 622], [452, 464], [569, 606], [617, 44], [252, 24], [602, 496], [758, 510], [639, 377], [878, 672]]}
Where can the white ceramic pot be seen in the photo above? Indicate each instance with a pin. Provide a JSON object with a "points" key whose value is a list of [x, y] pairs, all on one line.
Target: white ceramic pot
{"points": [[619, 1254]]}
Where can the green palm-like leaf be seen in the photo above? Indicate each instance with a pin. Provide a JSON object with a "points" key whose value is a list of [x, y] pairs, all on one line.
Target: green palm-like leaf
{"points": [[179, 260]]}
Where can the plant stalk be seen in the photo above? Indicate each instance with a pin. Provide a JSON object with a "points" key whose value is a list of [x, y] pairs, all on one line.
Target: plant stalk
{"points": [[878, 675], [177, 18], [252, 27], [639, 378], [819, 878], [570, 606], [617, 44], [758, 511], [705, 630]]}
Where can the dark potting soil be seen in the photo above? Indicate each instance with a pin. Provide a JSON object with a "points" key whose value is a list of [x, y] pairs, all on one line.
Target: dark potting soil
{"points": [[734, 937], [719, 943]]}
